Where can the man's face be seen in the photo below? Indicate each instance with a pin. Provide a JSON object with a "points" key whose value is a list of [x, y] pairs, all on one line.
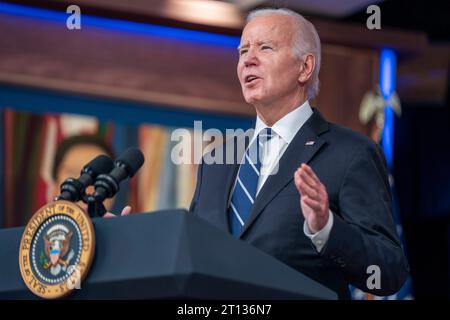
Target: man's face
{"points": [[267, 69]]}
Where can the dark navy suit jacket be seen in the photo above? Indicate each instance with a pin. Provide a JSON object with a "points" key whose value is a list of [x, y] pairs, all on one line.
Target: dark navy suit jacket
{"points": [[354, 173]]}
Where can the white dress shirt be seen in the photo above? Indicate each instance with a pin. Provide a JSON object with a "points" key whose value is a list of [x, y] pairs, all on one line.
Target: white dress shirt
{"points": [[283, 132]]}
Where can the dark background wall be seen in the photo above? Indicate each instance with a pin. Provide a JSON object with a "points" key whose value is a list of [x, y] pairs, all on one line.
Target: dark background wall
{"points": [[422, 175]]}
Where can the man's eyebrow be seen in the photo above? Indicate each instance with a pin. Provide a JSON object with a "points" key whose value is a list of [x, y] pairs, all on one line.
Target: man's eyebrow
{"points": [[265, 42], [243, 46]]}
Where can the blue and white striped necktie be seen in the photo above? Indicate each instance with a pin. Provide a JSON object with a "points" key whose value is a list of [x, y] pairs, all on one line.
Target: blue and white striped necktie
{"points": [[247, 182]]}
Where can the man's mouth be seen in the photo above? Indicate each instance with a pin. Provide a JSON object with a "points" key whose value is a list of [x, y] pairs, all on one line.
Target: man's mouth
{"points": [[251, 78]]}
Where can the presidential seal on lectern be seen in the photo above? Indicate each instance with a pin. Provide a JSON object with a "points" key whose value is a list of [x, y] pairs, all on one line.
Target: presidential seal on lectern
{"points": [[56, 249]]}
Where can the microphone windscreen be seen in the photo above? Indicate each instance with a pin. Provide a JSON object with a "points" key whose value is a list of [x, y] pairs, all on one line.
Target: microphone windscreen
{"points": [[100, 164], [133, 159]]}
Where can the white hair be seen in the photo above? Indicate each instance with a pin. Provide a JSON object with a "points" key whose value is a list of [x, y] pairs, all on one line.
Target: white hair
{"points": [[306, 41]]}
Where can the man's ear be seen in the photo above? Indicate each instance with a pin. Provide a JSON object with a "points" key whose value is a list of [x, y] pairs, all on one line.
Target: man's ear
{"points": [[308, 63]]}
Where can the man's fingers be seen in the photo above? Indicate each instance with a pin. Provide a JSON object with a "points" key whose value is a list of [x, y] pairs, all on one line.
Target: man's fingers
{"points": [[109, 215], [307, 190], [309, 178], [297, 179], [305, 184], [303, 187], [306, 177], [314, 204], [306, 171], [126, 211], [310, 172], [308, 184]]}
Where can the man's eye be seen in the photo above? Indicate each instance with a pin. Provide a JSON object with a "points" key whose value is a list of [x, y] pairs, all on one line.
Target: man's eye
{"points": [[243, 51], [266, 48]]}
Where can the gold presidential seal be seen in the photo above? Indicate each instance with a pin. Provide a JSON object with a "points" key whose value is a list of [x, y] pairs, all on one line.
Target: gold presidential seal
{"points": [[57, 249]]}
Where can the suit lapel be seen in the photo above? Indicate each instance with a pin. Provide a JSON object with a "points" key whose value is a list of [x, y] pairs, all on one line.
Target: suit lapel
{"points": [[230, 178], [229, 182], [299, 151]]}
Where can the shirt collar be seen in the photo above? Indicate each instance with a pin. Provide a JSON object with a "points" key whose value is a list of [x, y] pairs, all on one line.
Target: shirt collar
{"points": [[288, 126]]}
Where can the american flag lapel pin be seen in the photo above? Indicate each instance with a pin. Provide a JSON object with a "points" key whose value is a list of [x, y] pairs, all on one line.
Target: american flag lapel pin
{"points": [[309, 143]]}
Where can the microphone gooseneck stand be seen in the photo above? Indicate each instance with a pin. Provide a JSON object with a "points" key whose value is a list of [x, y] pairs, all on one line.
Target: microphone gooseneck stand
{"points": [[95, 206]]}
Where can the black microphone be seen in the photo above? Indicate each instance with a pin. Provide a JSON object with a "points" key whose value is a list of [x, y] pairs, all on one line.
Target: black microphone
{"points": [[126, 165], [74, 189]]}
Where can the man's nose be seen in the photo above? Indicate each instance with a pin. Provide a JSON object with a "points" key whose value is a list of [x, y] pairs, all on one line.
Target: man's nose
{"points": [[251, 58]]}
